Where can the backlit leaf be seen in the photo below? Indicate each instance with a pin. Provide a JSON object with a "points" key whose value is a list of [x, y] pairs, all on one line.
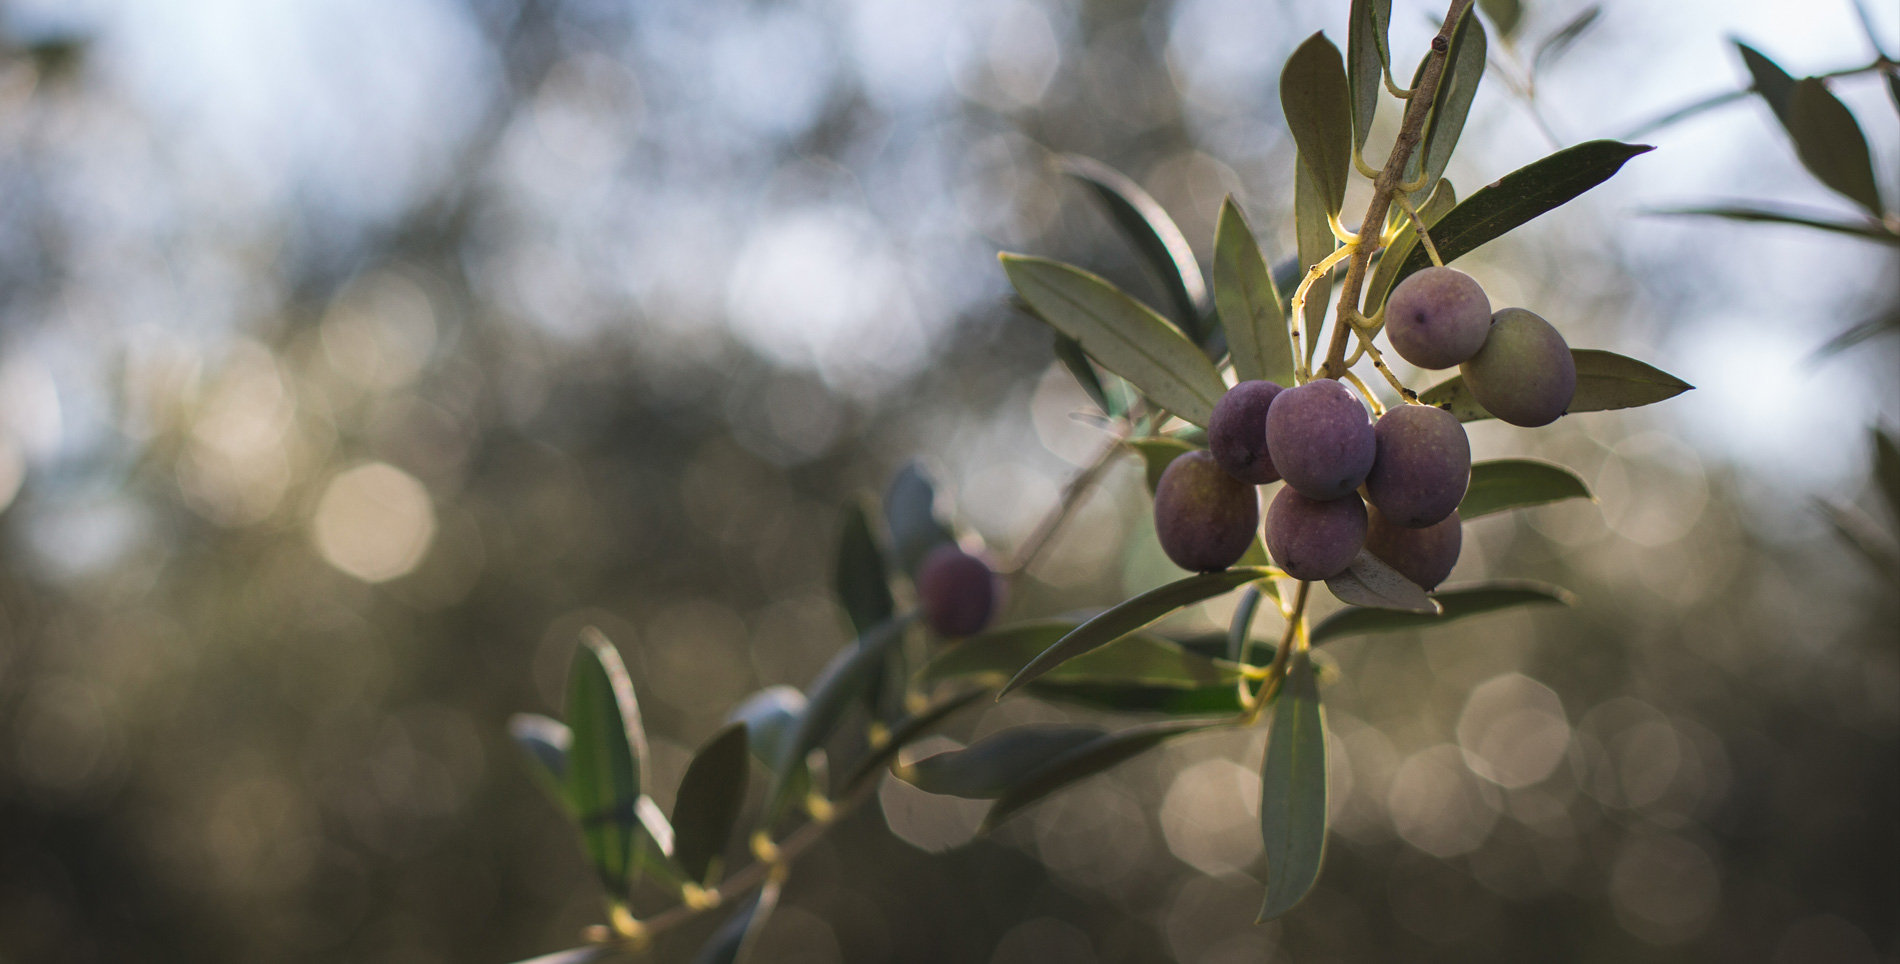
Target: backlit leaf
{"points": [[1318, 106], [838, 684], [1240, 628], [1507, 14], [1087, 760], [769, 716], [1454, 603], [545, 741], [1134, 658], [1366, 57], [1135, 614], [862, 585], [1504, 484], [605, 760], [1070, 352], [990, 767], [1370, 582], [1553, 47], [1830, 143], [1223, 700], [1293, 792], [1124, 335], [1773, 84], [1464, 68], [1161, 244], [1316, 242], [908, 729], [1780, 214], [1520, 196], [710, 795], [1605, 381], [1249, 306]]}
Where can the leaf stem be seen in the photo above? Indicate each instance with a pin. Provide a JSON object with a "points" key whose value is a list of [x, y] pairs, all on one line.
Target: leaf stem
{"points": [[1411, 131], [1418, 226]]}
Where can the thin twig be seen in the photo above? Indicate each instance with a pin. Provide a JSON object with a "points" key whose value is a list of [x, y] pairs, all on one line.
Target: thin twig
{"points": [[1418, 227], [1071, 497]]}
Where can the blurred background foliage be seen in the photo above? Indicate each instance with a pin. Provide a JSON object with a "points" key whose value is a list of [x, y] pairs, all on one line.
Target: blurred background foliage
{"points": [[354, 355]]}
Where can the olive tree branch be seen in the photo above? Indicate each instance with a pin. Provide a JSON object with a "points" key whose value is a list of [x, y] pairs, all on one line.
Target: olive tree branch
{"points": [[1411, 131]]}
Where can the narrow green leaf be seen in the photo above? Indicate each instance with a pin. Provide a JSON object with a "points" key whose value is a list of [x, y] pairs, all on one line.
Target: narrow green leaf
{"points": [[1069, 351], [1454, 604], [1316, 241], [1507, 14], [907, 730], [1773, 84], [1087, 760], [1464, 68], [837, 686], [606, 760], [1134, 658], [736, 938], [1161, 244], [1293, 793], [1830, 143], [1444, 197], [1503, 484], [1887, 470], [1366, 57], [1859, 532], [1683, 113], [1370, 582], [769, 716], [863, 588], [990, 767], [545, 741], [1521, 195], [910, 512], [1221, 700], [1135, 614], [1318, 104], [1124, 335], [1605, 381], [1157, 454], [1880, 324], [1820, 220], [710, 796], [578, 955], [1240, 629], [1553, 47], [1249, 306]]}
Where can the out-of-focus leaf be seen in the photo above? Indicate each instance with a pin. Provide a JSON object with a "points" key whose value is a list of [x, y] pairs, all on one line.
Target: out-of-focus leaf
{"points": [[1605, 381], [1560, 41], [1134, 658], [1859, 532], [1455, 603], [1505, 13], [1830, 143], [1293, 792], [908, 729], [837, 685], [1154, 234], [1318, 105], [1887, 470], [1240, 629], [1444, 197], [1077, 362], [769, 716], [1133, 615], [1124, 335], [1087, 760], [988, 768], [1316, 242], [1879, 324], [735, 939], [1370, 582], [1464, 68], [1893, 85], [578, 955], [1157, 454], [1684, 113], [1503, 484], [710, 796], [1221, 700], [910, 512], [1773, 84], [863, 588], [1819, 220], [1366, 57], [655, 856], [1249, 306], [1521, 195], [605, 760], [546, 742], [1255, 556]]}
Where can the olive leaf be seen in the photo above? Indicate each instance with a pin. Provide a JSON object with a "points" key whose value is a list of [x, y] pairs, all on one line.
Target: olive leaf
{"points": [[735, 939], [910, 512], [1770, 81], [1370, 582], [1782, 214], [1314, 237], [1293, 792], [1161, 244], [908, 729], [1520, 196], [545, 741], [1454, 604], [1605, 381], [992, 766], [1134, 614], [1249, 306], [1315, 97], [1553, 47], [1123, 334], [837, 685], [1087, 760], [606, 759], [769, 717], [1451, 104], [1443, 198], [1503, 484], [578, 955], [1507, 14], [1135, 658], [1366, 60], [1157, 454], [862, 586], [1222, 700], [1830, 143], [710, 795], [1070, 353]]}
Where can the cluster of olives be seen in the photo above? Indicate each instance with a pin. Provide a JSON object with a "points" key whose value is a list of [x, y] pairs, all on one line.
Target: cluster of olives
{"points": [[1390, 487]]}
